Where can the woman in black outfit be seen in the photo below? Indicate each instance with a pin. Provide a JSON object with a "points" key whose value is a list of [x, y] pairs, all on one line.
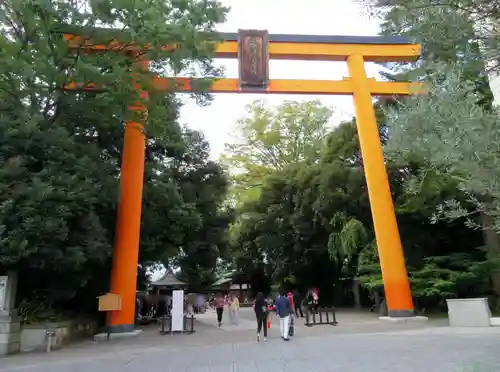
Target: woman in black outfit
{"points": [[261, 311]]}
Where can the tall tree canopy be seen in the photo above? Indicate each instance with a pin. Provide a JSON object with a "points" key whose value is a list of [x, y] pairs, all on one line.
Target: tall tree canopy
{"points": [[268, 139], [461, 146], [456, 35], [60, 152], [481, 14]]}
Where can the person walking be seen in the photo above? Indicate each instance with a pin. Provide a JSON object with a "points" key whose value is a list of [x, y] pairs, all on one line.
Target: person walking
{"points": [[261, 314], [293, 309], [235, 309], [315, 296], [229, 301], [219, 308], [292, 303], [283, 311], [298, 304]]}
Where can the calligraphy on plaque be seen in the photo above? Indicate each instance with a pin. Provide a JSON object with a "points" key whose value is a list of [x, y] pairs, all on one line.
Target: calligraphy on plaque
{"points": [[253, 58]]}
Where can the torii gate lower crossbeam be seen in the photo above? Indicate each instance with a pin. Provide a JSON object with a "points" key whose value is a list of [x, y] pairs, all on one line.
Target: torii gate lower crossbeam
{"points": [[253, 50]]}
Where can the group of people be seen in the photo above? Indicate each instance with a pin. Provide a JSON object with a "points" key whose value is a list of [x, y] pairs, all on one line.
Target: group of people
{"points": [[285, 306], [231, 302], [157, 305], [149, 305]]}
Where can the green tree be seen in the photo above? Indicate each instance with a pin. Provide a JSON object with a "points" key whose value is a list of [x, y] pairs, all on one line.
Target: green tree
{"points": [[270, 138], [204, 186], [481, 14], [461, 33], [269, 143], [460, 144], [312, 226], [61, 152], [448, 33]]}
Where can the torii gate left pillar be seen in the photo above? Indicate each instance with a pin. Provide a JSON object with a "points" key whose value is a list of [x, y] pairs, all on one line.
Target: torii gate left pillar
{"points": [[253, 49], [128, 222]]}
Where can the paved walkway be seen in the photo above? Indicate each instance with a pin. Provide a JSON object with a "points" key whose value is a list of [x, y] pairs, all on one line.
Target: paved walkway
{"points": [[369, 347], [246, 321]]}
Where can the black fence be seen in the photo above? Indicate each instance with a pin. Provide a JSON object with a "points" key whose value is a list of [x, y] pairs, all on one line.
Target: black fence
{"points": [[324, 315], [166, 325]]}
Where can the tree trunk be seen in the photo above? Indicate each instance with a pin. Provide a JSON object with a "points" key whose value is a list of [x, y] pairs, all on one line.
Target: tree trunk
{"points": [[492, 243], [383, 310], [355, 292], [375, 296]]}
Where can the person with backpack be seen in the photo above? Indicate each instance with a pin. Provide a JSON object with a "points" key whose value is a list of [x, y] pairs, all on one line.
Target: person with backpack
{"points": [[261, 314]]}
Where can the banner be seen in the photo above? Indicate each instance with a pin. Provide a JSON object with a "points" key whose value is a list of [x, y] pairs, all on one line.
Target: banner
{"points": [[178, 311]]}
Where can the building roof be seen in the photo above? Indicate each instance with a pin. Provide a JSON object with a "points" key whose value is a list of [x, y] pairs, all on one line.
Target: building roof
{"points": [[222, 281], [169, 280], [230, 277]]}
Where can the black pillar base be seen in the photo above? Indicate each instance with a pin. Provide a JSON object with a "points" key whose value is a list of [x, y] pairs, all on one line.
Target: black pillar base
{"points": [[401, 313], [122, 328]]}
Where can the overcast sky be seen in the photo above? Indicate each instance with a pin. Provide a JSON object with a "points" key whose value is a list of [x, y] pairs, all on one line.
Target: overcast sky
{"points": [[312, 17]]}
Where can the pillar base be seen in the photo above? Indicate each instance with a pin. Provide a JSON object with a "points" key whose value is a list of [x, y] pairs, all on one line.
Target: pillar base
{"points": [[404, 320], [121, 328], [10, 332], [102, 337], [401, 313]]}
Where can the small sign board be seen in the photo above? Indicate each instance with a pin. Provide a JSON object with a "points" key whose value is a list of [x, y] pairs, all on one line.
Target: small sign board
{"points": [[110, 302]]}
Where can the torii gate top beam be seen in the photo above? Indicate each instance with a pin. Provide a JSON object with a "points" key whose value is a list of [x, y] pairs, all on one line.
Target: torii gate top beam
{"points": [[329, 48], [253, 49], [281, 46]]}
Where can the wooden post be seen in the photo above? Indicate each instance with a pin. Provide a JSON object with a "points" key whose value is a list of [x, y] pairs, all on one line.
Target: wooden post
{"points": [[392, 263]]}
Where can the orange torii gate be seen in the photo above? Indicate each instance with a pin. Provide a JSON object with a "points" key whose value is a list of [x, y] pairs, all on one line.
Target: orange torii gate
{"points": [[253, 49]]}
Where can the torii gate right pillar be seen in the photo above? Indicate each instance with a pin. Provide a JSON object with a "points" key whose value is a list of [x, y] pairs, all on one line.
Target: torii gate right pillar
{"points": [[390, 251]]}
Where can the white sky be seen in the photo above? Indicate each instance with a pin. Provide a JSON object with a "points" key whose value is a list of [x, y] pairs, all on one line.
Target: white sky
{"points": [[312, 17]]}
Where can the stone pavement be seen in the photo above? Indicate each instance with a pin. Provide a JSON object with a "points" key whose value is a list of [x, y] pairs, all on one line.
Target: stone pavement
{"points": [[369, 347], [246, 321]]}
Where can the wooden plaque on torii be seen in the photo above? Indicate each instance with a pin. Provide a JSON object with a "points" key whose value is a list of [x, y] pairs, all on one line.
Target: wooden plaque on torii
{"points": [[253, 59]]}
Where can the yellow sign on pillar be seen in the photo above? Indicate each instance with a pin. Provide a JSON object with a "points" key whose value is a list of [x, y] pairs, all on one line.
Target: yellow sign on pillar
{"points": [[109, 302]]}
